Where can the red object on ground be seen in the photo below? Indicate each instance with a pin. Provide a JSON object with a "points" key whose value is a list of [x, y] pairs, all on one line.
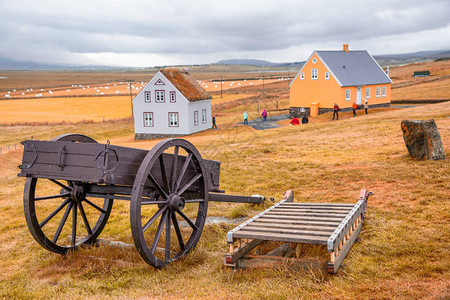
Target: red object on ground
{"points": [[295, 121]]}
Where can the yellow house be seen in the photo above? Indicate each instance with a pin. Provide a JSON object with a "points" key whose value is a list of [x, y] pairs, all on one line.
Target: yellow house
{"points": [[343, 77]]}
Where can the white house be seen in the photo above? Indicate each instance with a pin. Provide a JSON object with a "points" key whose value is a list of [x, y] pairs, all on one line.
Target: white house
{"points": [[171, 104]]}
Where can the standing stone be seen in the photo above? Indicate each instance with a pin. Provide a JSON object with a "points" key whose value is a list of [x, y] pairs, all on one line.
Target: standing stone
{"points": [[422, 139]]}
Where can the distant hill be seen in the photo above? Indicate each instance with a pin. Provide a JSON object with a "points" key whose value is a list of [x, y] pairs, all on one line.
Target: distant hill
{"points": [[12, 64], [409, 58]]}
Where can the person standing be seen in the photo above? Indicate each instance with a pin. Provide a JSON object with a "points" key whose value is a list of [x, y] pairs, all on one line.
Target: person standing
{"points": [[336, 111], [304, 119], [354, 106], [245, 117], [366, 106], [264, 115], [214, 126]]}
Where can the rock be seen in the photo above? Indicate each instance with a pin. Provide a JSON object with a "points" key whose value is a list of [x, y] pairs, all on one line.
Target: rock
{"points": [[422, 139]]}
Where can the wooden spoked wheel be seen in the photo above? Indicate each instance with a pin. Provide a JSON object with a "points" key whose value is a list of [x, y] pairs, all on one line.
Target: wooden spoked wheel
{"points": [[167, 227], [48, 204]]}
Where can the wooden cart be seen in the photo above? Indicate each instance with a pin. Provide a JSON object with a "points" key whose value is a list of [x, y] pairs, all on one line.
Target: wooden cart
{"points": [[168, 187]]}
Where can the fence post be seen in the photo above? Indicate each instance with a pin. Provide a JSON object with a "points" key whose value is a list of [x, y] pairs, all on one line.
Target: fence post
{"points": [[0, 150], [277, 105]]}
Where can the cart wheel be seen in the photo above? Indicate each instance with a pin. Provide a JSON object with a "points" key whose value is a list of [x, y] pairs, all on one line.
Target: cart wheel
{"points": [[44, 199], [168, 226]]}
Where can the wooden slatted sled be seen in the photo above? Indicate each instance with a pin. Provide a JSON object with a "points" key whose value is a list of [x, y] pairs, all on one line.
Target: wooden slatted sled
{"points": [[335, 225]]}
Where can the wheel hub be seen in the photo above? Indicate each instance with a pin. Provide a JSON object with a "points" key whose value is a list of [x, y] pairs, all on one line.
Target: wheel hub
{"points": [[77, 193], [175, 202]]}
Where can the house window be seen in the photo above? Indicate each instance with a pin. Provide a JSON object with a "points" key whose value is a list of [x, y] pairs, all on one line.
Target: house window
{"points": [[367, 93], [378, 91], [204, 116], [159, 96], [314, 60], [196, 117], [173, 119], [384, 91], [347, 94], [327, 75], [302, 75], [172, 97], [147, 96], [159, 82], [314, 74], [148, 119]]}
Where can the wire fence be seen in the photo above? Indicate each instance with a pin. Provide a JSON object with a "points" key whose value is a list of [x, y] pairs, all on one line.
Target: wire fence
{"points": [[8, 148]]}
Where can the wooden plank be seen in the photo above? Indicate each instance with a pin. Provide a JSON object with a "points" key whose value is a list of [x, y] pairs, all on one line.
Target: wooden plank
{"points": [[262, 261], [333, 267], [318, 240], [231, 258], [285, 230], [294, 218], [290, 226], [324, 224], [314, 210], [308, 214], [311, 204]]}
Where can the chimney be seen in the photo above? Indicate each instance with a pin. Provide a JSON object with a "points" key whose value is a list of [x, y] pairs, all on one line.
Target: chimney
{"points": [[345, 48]]}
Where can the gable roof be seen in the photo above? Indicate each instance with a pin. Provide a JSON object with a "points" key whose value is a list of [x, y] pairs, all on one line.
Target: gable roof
{"points": [[186, 84], [354, 67]]}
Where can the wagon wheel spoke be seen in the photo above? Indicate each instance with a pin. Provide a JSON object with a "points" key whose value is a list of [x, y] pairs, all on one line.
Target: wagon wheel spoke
{"points": [[52, 197], [57, 210], [157, 186], [183, 171], [94, 206], [167, 255], [152, 219], [153, 202], [158, 232], [74, 225], [61, 185], [187, 220], [61, 224], [85, 220], [174, 169], [194, 200], [189, 183], [178, 232], [163, 172]]}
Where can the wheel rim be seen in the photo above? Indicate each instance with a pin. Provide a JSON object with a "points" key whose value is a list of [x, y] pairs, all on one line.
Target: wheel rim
{"points": [[49, 204], [168, 226]]}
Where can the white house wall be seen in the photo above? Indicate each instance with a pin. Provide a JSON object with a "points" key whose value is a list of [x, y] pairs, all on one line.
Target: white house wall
{"points": [[199, 106], [160, 110]]}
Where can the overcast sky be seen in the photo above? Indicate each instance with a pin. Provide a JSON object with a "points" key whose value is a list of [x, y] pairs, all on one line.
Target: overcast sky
{"points": [[144, 33]]}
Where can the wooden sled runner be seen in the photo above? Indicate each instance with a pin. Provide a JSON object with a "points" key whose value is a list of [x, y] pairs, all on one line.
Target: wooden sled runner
{"points": [[336, 225]]}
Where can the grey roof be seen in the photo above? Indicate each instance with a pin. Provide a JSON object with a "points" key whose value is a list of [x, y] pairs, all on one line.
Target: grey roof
{"points": [[354, 67]]}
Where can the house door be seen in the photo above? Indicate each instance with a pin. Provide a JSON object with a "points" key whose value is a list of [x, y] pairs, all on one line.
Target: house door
{"points": [[358, 95]]}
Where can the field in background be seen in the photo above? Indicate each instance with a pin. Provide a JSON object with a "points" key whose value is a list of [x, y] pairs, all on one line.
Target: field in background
{"points": [[403, 250]]}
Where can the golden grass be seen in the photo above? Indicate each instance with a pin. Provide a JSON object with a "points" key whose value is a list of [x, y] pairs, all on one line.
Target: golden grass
{"points": [[428, 90], [64, 109], [404, 249]]}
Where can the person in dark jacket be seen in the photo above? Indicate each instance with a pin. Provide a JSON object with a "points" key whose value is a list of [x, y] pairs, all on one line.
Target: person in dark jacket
{"points": [[336, 111], [304, 119], [214, 126]]}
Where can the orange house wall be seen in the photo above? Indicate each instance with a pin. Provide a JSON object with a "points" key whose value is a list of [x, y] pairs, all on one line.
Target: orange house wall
{"points": [[327, 92], [307, 91]]}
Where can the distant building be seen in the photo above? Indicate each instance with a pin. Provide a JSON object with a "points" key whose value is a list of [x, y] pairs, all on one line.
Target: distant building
{"points": [[171, 104], [341, 77]]}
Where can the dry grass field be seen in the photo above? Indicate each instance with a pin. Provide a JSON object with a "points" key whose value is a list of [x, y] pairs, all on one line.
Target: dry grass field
{"points": [[403, 250]]}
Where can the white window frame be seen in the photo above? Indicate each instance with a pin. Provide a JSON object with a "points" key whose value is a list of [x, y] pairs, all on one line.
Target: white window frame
{"points": [[195, 117], [302, 75], [378, 91], [159, 96], [314, 74], [203, 116], [173, 97], [173, 119], [368, 92], [147, 96], [148, 124], [348, 94], [327, 75], [314, 60], [384, 91]]}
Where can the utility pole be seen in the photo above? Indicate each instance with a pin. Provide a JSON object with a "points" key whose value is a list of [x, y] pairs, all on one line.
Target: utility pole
{"points": [[220, 86], [131, 99], [263, 81]]}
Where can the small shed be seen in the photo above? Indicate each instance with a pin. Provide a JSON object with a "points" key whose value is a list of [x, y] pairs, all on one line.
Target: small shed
{"points": [[421, 73]]}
